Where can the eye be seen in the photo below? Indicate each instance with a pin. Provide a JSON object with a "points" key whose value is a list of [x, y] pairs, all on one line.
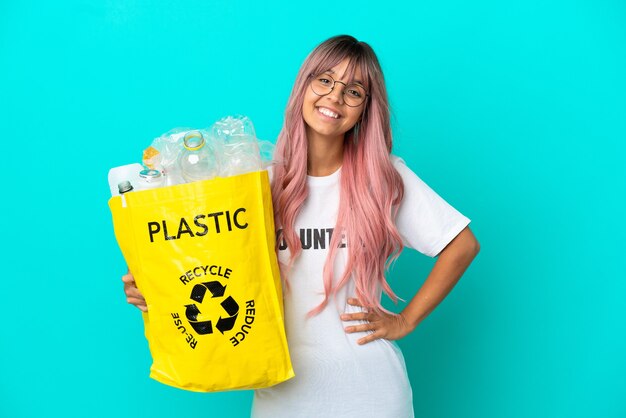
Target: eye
{"points": [[354, 92], [324, 80]]}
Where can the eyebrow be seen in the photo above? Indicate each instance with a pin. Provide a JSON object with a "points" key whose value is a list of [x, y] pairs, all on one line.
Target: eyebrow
{"points": [[353, 81]]}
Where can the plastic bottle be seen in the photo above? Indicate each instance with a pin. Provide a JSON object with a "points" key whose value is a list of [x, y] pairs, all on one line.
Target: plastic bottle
{"points": [[125, 187], [128, 172], [150, 179], [198, 160], [240, 149]]}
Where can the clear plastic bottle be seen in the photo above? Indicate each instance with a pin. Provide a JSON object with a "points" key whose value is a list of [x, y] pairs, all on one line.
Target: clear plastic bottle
{"points": [[128, 172], [150, 179], [198, 160], [125, 187], [240, 149]]}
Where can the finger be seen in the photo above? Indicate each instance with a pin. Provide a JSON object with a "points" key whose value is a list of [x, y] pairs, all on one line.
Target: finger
{"points": [[371, 337], [356, 316], [136, 296], [361, 328], [354, 302], [131, 288], [136, 301], [142, 307], [130, 285], [134, 293], [128, 278]]}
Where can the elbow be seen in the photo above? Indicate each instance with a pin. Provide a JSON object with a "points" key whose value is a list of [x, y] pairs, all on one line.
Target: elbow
{"points": [[464, 246], [472, 246]]}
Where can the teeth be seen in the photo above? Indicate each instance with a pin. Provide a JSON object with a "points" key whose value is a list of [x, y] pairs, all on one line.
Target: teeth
{"points": [[328, 112]]}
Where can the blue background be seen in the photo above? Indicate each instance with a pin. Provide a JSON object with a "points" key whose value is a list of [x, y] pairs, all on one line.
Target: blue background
{"points": [[514, 112]]}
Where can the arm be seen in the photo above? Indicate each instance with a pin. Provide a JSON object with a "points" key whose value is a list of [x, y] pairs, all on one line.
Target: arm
{"points": [[448, 269]]}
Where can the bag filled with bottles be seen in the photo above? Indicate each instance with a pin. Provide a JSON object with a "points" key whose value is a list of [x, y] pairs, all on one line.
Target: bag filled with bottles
{"points": [[195, 225]]}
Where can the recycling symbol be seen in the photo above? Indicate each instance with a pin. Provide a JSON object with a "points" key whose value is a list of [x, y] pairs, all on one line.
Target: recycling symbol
{"points": [[228, 304]]}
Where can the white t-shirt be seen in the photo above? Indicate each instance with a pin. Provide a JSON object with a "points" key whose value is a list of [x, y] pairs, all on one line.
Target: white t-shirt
{"points": [[335, 376]]}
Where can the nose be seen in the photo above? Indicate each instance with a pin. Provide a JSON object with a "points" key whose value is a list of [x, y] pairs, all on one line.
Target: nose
{"points": [[336, 94]]}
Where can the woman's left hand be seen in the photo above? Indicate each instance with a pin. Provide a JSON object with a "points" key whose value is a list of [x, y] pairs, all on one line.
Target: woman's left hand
{"points": [[389, 326]]}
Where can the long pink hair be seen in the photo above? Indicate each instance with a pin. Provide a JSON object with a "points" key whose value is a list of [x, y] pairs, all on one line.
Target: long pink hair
{"points": [[371, 188]]}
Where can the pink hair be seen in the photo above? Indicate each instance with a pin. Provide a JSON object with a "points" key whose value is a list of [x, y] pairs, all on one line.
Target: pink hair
{"points": [[371, 188]]}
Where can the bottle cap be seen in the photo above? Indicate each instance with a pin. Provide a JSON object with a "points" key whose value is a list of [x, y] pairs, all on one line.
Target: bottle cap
{"points": [[124, 187], [193, 140], [150, 175]]}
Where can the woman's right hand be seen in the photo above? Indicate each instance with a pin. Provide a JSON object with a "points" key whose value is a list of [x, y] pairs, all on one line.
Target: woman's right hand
{"points": [[133, 295]]}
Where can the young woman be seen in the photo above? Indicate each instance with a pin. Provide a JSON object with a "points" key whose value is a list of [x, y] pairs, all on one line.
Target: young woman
{"points": [[344, 208]]}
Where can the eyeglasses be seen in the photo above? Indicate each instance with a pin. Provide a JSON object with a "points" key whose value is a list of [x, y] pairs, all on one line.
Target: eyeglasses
{"points": [[354, 94]]}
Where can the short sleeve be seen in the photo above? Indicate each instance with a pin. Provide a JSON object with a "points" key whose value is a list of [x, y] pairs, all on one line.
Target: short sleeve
{"points": [[426, 222]]}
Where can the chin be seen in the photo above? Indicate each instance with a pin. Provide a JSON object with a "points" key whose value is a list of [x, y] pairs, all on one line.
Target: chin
{"points": [[327, 133]]}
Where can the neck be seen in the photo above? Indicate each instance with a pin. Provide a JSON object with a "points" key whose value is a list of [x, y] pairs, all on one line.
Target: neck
{"points": [[324, 155]]}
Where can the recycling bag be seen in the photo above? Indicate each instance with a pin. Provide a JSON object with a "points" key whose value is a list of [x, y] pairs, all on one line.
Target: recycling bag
{"points": [[203, 256]]}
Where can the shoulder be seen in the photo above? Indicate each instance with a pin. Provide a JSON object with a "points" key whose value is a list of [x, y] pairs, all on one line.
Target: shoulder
{"points": [[395, 160], [414, 186], [407, 175], [425, 220], [400, 165]]}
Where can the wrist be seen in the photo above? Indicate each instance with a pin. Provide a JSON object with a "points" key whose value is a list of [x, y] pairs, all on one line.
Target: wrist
{"points": [[408, 323]]}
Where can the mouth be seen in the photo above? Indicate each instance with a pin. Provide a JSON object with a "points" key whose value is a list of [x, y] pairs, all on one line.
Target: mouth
{"points": [[331, 114]]}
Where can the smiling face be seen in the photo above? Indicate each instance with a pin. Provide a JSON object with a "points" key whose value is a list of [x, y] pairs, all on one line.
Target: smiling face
{"points": [[329, 117]]}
